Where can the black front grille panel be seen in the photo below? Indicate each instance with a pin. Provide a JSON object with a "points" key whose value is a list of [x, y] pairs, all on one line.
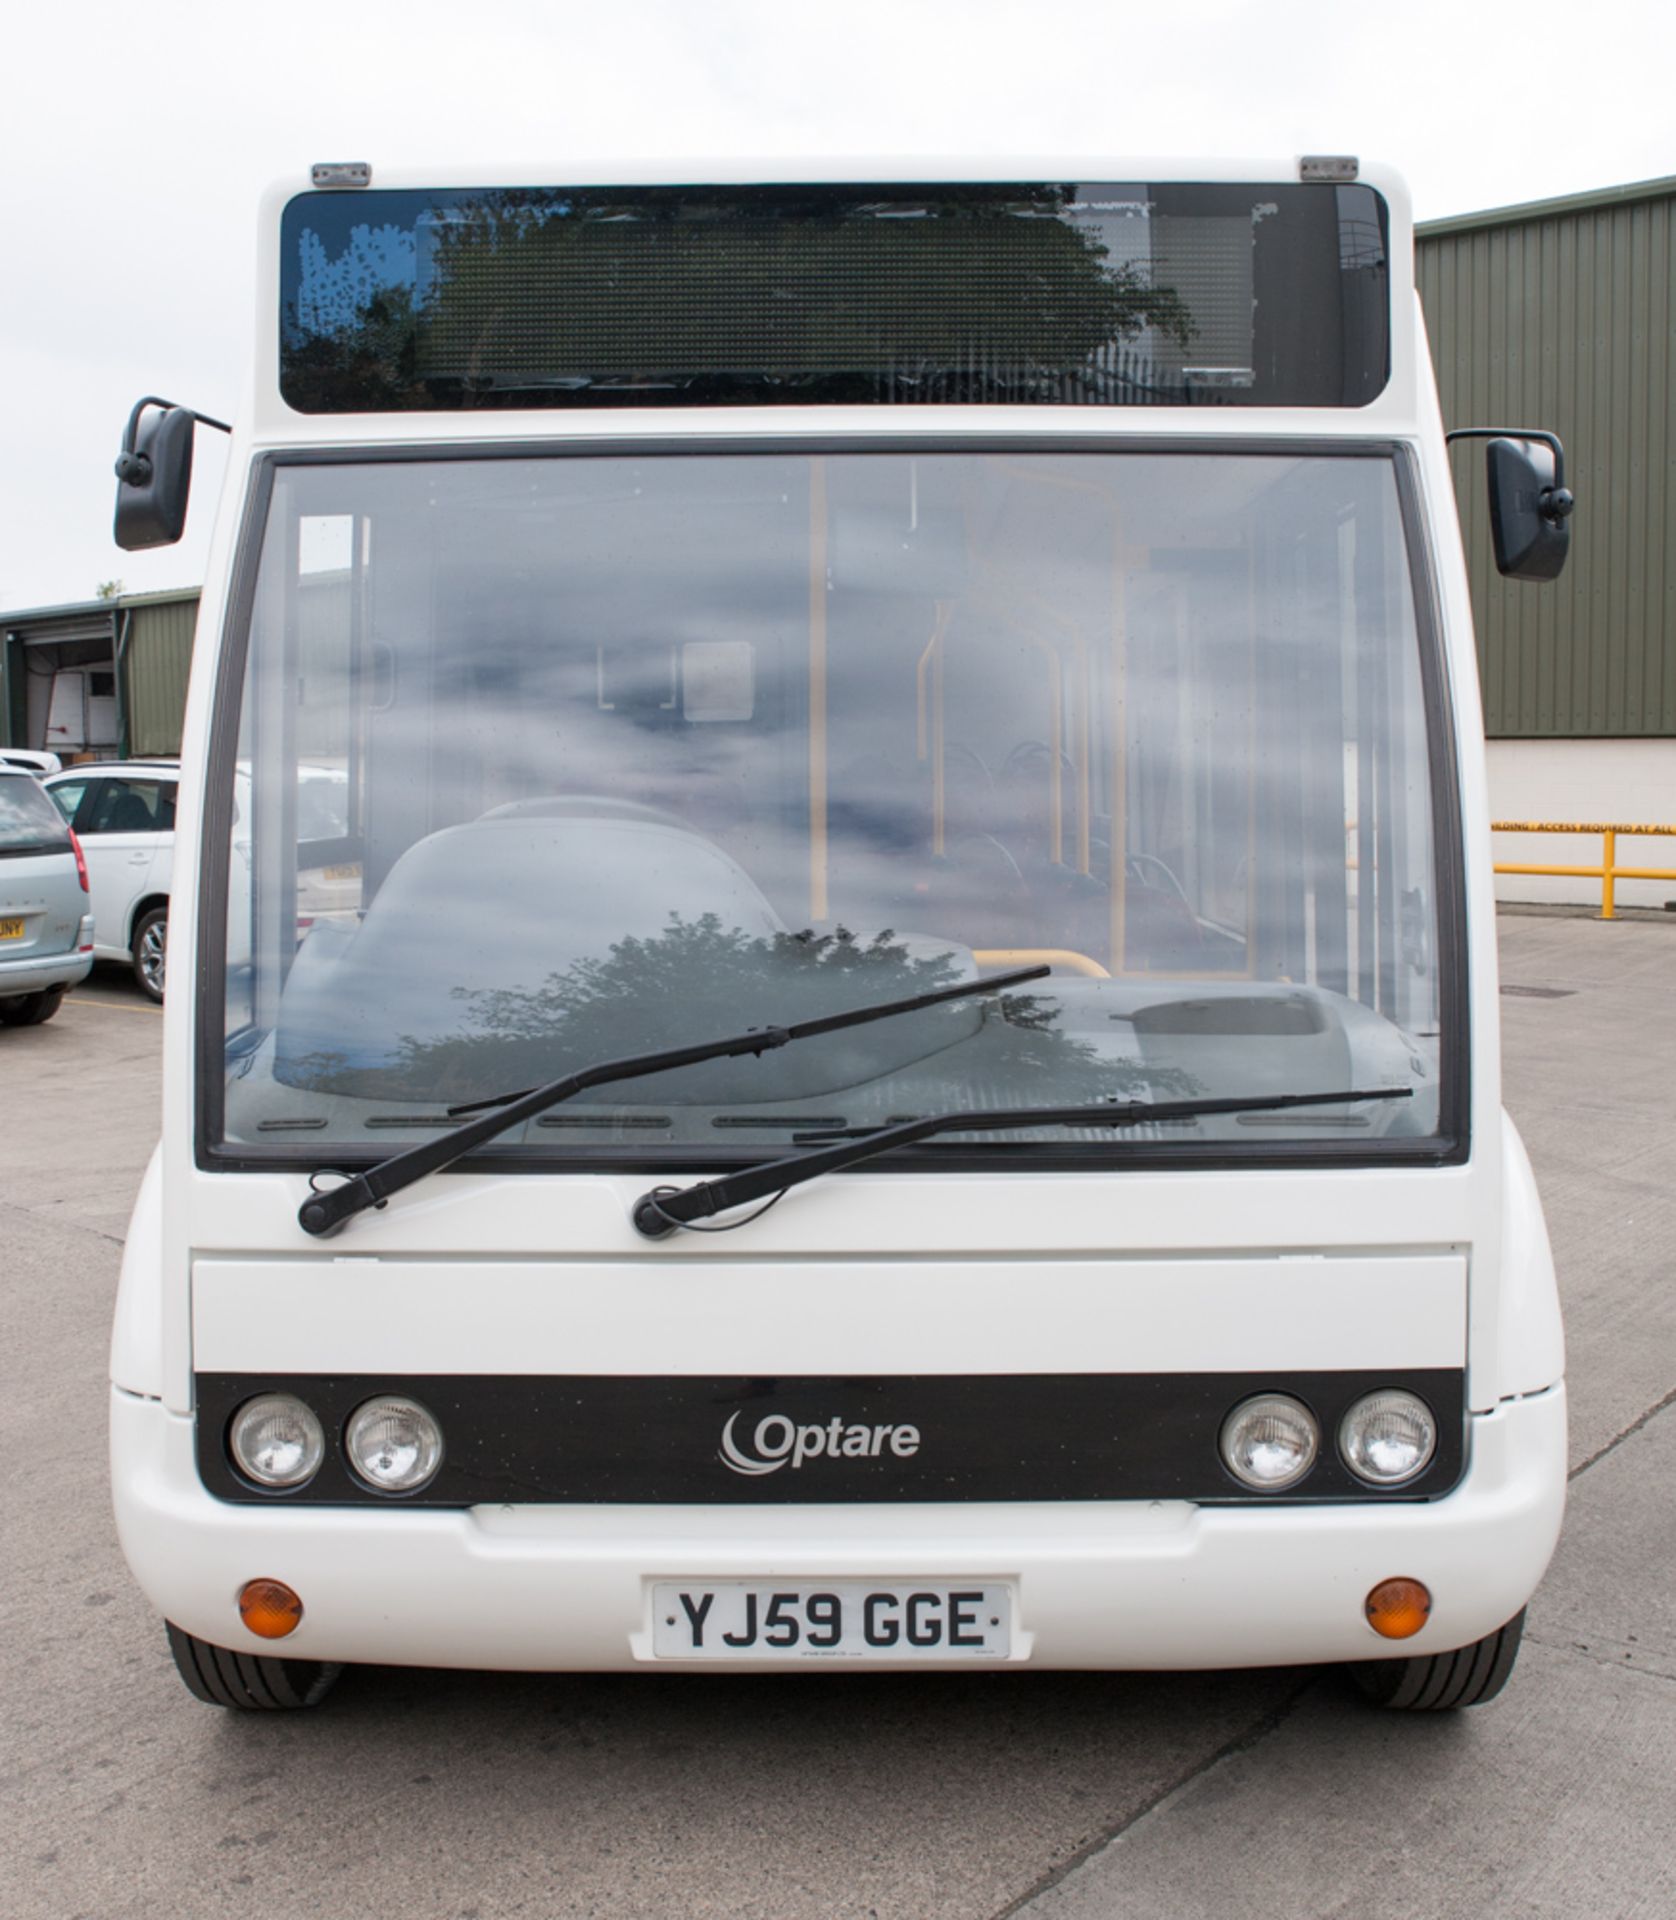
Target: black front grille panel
{"points": [[593, 1439]]}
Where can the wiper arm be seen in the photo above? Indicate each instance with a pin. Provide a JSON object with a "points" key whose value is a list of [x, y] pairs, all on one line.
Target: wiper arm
{"points": [[659, 1212], [325, 1210]]}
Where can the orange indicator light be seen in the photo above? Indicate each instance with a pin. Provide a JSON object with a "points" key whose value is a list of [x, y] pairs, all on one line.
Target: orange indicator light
{"points": [[269, 1608], [1398, 1608]]}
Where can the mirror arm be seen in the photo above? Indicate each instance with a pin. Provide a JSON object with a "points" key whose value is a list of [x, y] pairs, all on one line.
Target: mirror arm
{"points": [[1558, 501], [133, 468]]}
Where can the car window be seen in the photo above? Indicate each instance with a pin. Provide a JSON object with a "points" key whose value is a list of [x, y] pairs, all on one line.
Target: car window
{"points": [[133, 806], [29, 823], [67, 796]]}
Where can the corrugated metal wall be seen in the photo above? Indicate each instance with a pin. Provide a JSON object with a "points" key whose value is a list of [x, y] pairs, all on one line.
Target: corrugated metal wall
{"points": [[156, 664], [1564, 318]]}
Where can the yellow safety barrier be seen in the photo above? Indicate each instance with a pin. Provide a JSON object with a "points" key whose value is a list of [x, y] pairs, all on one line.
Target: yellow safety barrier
{"points": [[1608, 873]]}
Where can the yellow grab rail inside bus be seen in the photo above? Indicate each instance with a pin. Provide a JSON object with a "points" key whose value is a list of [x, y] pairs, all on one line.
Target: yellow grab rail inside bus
{"points": [[1040, 956], [1608, 873]]}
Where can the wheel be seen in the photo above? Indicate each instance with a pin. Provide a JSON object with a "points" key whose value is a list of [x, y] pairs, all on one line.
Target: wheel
{"points": [[151, 951], [249, 1682], [30, 1009], [1440, 1682]]}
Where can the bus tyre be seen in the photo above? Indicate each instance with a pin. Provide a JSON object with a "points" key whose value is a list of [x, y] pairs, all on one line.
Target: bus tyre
{"points": [[30, 1009], [1440, 1682], [150, 950], [249, 1682]]}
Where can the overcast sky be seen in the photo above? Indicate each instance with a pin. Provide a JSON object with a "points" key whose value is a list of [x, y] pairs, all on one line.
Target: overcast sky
{"points": [[136, 138]]}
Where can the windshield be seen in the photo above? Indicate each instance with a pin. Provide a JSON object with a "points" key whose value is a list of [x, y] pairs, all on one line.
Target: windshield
{"points": [[547, 760]]}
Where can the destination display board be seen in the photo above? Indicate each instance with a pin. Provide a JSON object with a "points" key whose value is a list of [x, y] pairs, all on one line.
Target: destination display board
{"points": [[1114, 294]]}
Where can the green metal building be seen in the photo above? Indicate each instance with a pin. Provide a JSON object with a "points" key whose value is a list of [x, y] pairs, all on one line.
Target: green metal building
{"points": [[1560, 314], [101, 678]]}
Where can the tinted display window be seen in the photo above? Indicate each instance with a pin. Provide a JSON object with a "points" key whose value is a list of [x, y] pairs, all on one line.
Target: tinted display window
{"points": [[1117, 294]]}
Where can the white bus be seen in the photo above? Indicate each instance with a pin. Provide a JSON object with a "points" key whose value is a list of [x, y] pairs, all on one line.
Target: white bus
{"points": [[939, 701]]}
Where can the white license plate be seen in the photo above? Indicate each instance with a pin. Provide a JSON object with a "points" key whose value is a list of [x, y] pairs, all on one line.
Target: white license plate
{"points": [[830, 1620]]}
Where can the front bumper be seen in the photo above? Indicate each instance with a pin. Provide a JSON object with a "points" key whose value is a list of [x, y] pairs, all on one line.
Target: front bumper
{"points": [[1126, 1584]]}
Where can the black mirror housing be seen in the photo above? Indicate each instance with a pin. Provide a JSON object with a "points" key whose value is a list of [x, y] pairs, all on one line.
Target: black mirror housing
{"points": [[1530, 509], [154, 477]]}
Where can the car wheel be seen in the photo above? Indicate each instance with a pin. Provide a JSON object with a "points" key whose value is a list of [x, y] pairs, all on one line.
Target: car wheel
{"points": [[249, 1682], [1440, 1682], [151, 951], [30, 1009]]}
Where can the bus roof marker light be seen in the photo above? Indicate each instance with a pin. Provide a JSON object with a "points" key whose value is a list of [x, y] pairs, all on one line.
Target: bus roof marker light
{"points": [[334, 176], [1336, 168]]}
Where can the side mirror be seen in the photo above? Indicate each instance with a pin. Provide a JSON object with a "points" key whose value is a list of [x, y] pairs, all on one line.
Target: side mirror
{"points": [[1530, 512], [154, 473], [1530, 504]]}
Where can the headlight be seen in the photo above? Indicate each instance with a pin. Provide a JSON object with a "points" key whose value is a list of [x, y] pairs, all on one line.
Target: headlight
{"points": [[1387, 1438], [393, 1444], [276, 1441], [1270, 1442]]}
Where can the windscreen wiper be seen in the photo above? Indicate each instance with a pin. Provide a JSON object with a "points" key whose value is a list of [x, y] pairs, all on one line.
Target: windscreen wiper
{"points": [[326, 1209], [663, 1209]]}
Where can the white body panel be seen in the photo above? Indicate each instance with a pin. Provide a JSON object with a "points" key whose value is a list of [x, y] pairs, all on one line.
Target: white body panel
{"points": [[860, 1317], [1168, 1270]]}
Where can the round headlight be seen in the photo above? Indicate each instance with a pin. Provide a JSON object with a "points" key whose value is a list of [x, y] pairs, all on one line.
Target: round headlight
{"points": [[276, 1441], [393, 1444], [1387, 1438], [1270, 1442]]}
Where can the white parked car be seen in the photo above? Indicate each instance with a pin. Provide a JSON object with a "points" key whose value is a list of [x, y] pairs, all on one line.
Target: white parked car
{"points": [[123, 812], [39, 764]]}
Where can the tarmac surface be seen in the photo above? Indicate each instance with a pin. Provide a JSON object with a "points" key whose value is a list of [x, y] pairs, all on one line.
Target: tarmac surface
{"points": [[469, 1797]]}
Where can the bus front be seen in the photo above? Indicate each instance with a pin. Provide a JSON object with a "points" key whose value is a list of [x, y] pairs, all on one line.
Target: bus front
{"points": [[833, 986]]}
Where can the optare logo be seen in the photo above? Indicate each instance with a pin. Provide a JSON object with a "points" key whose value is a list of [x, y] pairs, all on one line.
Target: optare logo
{"points": [[778, 1442]]}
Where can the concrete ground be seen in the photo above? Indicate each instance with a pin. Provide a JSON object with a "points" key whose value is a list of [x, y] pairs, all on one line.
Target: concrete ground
{"points": [[467, 1797]]}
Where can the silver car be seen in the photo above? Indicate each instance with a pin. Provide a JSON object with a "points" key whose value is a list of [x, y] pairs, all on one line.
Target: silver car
{"points": [[46, 929]]}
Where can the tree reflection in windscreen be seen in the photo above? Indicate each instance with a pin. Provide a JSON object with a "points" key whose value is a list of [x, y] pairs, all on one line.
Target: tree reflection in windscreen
{"points": [[699, 980]]}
